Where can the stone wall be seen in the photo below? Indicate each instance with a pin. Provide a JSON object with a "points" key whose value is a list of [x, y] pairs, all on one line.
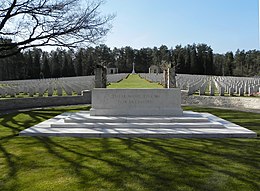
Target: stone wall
{"points": [[220, 101], [85, 98], [24, 103]]}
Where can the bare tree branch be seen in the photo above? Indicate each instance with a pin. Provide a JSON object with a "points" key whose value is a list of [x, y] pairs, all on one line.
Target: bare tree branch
{"points": [[68, 23], [8, 15]]}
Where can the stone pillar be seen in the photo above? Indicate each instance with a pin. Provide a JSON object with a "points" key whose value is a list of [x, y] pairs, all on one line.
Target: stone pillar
{"points": [[100, 77], [170, 77], [165, 76]]}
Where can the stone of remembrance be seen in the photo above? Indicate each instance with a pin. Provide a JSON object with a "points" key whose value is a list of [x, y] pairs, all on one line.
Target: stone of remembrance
{"points": [[136, 102], [142, 113]]}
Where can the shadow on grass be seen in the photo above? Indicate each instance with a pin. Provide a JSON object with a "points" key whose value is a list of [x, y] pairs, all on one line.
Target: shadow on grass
{"points": [[160, 164], [11, 166], [131, 164], [17, 122], [10, 126], [152, 164], [244, 119], [210, 155]]}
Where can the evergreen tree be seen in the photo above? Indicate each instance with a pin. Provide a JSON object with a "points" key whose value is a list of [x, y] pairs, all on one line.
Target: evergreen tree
{"points": [[36, 63], [194, 60], [29, 64], [91, 65], [187, 61], [155, 57], [79, 60], [240, 60], [229, 61], [163, 54], [210, 61], [218, 64], [55, 64], [71, 64], [45, 66], [191, 59], [201, 64], [178, 56], [65, 66]]}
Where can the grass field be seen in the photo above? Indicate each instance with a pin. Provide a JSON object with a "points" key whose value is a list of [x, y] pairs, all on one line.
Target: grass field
{"points": [[75, 164], [134, 81], [36, 163]]}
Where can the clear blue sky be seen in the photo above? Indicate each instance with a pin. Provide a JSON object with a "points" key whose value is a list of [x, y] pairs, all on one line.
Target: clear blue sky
{"points": [[225, 25]]}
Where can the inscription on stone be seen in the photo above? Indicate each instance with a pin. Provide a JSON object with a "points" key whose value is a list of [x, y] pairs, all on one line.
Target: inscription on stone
{"points": [[133, 99]]}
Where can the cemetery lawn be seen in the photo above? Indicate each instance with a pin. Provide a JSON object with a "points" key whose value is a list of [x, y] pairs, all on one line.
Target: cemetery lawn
{"points": [[134, 81], [75, 164]]}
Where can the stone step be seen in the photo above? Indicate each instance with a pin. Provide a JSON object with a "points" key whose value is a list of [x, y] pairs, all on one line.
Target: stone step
{"points": [[61, 124], [46, 129], [86, 118], [137, 132]]}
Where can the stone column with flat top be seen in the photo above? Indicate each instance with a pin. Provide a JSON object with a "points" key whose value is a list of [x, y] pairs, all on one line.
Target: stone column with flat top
{"points": [[170, 77], [100, 77]]}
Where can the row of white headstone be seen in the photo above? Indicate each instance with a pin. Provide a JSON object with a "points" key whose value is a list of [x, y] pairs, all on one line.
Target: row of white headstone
{"points": [[53, 86], [213, 85]]}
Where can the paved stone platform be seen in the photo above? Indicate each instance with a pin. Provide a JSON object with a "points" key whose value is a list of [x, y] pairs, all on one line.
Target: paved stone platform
{"points": [[190, 125]]}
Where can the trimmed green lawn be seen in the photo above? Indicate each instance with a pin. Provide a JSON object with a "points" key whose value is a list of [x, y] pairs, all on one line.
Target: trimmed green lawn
{"points": [[75, 164], [134, 81]]}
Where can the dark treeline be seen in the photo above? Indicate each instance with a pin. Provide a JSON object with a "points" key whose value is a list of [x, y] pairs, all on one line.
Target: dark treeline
{"points": [[191, 59]]}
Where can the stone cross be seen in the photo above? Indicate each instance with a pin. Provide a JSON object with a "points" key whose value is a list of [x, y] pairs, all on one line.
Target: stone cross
{"points": [[133, 71], [100, 77]]}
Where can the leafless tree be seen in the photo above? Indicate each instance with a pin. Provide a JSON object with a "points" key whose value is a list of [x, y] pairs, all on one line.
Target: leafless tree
{"points": [[34, 23]]}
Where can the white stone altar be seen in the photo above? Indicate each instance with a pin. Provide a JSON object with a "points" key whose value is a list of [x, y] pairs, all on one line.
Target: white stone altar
{"points": [[154, 113], [136, 102]]}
